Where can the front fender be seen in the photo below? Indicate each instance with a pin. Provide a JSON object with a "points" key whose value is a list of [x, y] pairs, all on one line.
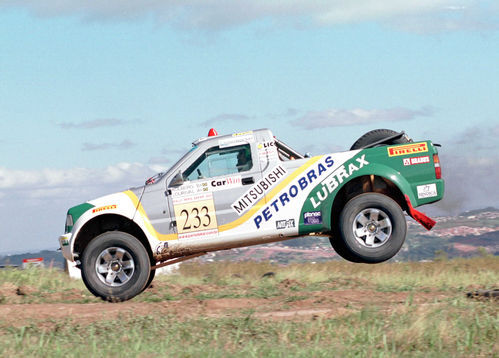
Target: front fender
{"points": [[118, 204]]}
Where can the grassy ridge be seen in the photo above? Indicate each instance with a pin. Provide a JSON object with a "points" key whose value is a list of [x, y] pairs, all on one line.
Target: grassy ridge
{"points": [[449, 326], [457, 328]]}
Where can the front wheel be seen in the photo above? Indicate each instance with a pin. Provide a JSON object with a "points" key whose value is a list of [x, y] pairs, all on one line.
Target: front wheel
{"points": [[372, 228], [115, 266]]}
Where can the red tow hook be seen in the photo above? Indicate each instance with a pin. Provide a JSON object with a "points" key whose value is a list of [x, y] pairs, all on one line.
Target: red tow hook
{"points": [[421, 218]]}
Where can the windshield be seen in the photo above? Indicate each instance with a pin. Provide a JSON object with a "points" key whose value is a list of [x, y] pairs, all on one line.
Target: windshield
{"points": [[157, 177]]}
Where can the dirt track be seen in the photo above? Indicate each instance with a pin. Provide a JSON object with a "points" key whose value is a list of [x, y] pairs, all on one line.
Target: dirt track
{"points": [[317, 304]]}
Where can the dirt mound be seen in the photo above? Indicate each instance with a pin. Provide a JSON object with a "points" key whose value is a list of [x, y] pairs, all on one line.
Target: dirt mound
{"points": [[290, 306]]}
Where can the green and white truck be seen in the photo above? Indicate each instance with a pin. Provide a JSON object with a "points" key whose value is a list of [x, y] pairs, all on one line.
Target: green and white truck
{"points": [[250, 188]]}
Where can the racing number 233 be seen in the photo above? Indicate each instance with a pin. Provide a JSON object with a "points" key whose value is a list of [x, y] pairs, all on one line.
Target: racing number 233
{"points": [[195, 216], [195, 221]]}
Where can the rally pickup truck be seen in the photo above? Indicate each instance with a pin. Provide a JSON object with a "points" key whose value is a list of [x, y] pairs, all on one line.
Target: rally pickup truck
{"points": [[250, 188]]}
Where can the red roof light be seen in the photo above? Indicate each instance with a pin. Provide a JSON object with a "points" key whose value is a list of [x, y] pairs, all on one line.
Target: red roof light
{"points": [[212, 133]]}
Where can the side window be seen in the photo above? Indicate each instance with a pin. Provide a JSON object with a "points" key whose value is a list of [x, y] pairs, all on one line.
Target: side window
{"points": [[218, 161]]}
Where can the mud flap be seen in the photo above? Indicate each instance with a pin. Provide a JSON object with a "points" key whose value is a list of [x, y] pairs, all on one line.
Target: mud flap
{"points": [[421, 218]]}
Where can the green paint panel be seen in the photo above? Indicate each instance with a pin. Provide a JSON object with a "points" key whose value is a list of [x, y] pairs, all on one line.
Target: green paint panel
{"points": [[407, 171], [76, 212]]}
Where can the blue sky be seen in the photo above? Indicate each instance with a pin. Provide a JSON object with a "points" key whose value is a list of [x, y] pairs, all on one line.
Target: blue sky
{"points": [[97, 96]]}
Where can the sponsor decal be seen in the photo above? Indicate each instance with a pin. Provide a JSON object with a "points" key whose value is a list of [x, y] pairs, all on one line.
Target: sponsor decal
{"points": [[406, 149], [237, 139], [205, 234], [226, 183], [161, 247], [195, 209], [63, 240], [312, 218], [103, 208], [427, 191], [332, 182], [195, 191], [416, 160], [240, 134], [284, 224], [258, 190], [192, 198], [195, 215], [267, 150], [293, 190], [188, 190]]}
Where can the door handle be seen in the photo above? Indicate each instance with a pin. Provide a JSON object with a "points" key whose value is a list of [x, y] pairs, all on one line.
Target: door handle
{"points": [[248, 180]]}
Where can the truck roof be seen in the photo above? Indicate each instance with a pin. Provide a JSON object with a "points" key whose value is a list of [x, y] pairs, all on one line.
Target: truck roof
{"points": [[234, 136]]}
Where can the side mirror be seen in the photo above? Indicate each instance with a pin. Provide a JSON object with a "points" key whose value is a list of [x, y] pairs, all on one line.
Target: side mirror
{"points": [[177, 180]]}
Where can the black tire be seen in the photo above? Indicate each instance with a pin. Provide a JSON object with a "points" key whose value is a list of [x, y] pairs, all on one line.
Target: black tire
{"points": [[149, 280], [115, 266], [372, 229], [341, 249], [377, 135]]}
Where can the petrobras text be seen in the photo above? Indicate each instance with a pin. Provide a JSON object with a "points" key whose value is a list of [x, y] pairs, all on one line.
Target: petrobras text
{"points": [[292, 191]]}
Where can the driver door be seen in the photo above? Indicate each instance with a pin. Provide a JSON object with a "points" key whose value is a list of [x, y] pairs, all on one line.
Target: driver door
{"points": [[212, 183]]}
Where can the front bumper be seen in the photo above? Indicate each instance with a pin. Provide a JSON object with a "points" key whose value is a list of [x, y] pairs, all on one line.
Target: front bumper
{"points": [[64, 242]]}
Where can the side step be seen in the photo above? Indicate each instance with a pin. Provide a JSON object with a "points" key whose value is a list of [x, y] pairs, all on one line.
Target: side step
{"points": [[177, 260]]}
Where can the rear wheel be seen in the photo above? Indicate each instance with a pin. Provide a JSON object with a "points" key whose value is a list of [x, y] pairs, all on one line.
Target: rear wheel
{"points": [[372, 229], [115, 266], [341, 249], [378, 135]]}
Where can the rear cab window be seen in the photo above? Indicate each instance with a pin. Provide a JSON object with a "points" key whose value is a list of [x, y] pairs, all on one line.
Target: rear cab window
{"points": [[286, 152]]}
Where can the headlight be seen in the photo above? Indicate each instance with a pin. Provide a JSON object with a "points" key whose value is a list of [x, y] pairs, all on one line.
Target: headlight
{"points": [[69, 223]]}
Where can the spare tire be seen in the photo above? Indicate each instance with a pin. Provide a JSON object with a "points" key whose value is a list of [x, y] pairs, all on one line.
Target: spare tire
{"points": [[378, 135]]}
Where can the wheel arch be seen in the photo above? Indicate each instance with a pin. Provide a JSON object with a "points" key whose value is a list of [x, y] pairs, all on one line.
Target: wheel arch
{"points": [[109, 222], [385, 181]]}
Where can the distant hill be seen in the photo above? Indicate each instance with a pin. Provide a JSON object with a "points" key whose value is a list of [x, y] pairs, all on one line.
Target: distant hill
{"points": [[479, 211], [469, 234]]}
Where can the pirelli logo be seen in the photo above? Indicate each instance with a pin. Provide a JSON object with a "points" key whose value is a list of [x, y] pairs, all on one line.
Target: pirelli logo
{"points": [[407, 149], [103, 208]]}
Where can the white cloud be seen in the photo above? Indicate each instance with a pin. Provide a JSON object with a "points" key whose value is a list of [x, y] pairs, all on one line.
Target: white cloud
{"points": [[125, 144], [477, 15], [222, 14], [59, 180], [343, 117], [34, 202]]}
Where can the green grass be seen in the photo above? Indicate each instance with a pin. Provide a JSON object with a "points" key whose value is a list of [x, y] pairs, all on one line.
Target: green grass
{"points": [[244, 279], [455, 328], [39, 285], [449, 326]]}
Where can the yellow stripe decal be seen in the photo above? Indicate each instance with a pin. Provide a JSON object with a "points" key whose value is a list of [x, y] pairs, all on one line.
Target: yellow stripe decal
{"points": [[269, 196], [149, 227], [233, 224]]}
